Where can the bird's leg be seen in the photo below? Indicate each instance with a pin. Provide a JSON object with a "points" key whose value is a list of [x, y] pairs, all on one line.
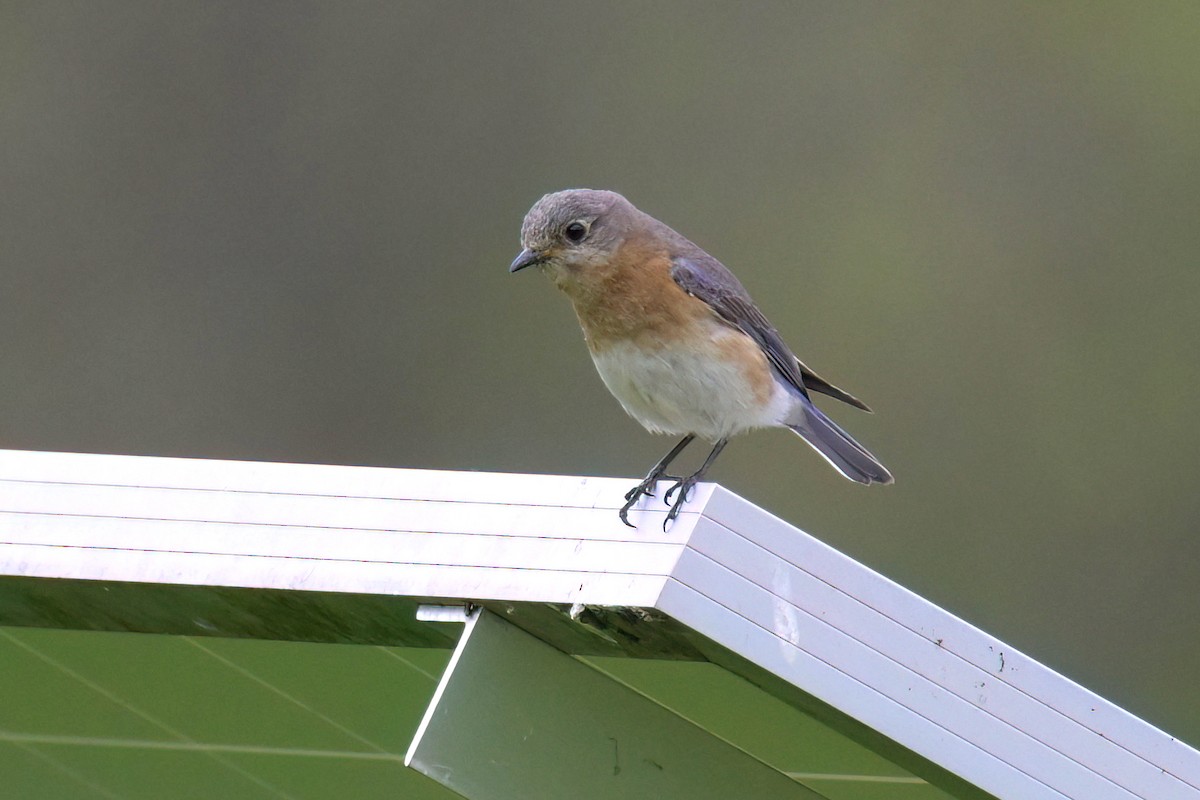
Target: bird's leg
{"points": [[646, 487], [684, 487]]}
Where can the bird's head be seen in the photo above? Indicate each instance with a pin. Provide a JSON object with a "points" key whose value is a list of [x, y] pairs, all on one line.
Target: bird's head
{"points": [[572, 235]]}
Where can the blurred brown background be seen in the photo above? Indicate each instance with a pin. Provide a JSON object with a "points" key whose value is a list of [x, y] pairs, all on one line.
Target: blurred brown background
{"points": [[280, 231]]}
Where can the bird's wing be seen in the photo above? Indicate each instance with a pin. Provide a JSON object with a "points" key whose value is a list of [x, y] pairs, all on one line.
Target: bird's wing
{"points": [[707, 279]]}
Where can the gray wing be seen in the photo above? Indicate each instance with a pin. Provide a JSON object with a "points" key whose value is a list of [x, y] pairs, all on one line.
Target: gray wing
{"points": [[707, 279]]}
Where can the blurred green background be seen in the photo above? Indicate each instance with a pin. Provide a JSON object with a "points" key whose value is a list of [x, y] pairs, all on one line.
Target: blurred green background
{"points": [[280, 231]]}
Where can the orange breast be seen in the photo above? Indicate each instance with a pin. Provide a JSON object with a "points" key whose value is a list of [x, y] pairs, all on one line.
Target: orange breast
{"points": [[634, 299]]}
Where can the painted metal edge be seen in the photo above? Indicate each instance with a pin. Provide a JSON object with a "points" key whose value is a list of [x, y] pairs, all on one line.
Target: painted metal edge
{"points": [[948, 632]]}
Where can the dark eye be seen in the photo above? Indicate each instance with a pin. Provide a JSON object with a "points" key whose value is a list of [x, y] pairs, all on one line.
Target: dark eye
{"points": [[575, 232]]}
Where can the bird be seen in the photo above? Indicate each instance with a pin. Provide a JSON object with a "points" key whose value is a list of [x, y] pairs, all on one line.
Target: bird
{"points": [[677, 339]]}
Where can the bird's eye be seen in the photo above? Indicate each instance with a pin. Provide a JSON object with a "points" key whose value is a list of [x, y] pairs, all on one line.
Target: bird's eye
{"points": [[575, 232]]}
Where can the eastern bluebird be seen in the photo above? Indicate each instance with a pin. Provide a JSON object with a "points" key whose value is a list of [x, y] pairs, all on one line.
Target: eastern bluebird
{"points": [[677, 339]]}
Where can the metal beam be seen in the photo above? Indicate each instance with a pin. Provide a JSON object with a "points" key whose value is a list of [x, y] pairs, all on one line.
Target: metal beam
{"points": [[515, 718]]}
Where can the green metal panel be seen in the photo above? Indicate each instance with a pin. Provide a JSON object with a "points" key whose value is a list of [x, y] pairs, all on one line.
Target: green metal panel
{"points": [[88, 715]]}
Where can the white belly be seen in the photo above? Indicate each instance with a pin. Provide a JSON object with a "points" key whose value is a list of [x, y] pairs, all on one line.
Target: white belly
{"points": [[677, 391]]}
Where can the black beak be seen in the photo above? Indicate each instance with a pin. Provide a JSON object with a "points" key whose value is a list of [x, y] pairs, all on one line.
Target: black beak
{"points": [[527, 258]]}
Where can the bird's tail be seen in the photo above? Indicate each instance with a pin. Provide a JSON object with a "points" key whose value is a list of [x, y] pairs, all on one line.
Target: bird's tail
{"points": [[827, 437]]}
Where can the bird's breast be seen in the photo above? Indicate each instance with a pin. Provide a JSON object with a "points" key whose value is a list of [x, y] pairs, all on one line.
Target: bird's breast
{"points": [[707, 379]]}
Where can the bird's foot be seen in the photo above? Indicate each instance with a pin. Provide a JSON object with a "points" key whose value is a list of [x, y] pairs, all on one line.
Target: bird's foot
{"points": [[643, 489], [684, 486]]}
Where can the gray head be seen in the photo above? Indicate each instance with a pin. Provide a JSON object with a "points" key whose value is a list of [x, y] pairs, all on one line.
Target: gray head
{"points": [[573, 229]]}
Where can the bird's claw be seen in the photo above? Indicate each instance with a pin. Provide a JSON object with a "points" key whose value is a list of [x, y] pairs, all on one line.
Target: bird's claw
{"points": [[646, 489], [679, 482], [643, 489], [684, 486]]}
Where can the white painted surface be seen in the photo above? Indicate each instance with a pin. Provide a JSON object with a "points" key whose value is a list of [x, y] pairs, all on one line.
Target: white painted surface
{"points": [[344, 529]]}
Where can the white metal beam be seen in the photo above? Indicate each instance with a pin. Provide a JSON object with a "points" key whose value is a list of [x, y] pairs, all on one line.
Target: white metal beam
{"points": [[335, 529]]}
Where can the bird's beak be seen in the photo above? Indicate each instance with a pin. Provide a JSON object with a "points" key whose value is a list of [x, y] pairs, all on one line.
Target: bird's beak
{"points": [[527, 258]]}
